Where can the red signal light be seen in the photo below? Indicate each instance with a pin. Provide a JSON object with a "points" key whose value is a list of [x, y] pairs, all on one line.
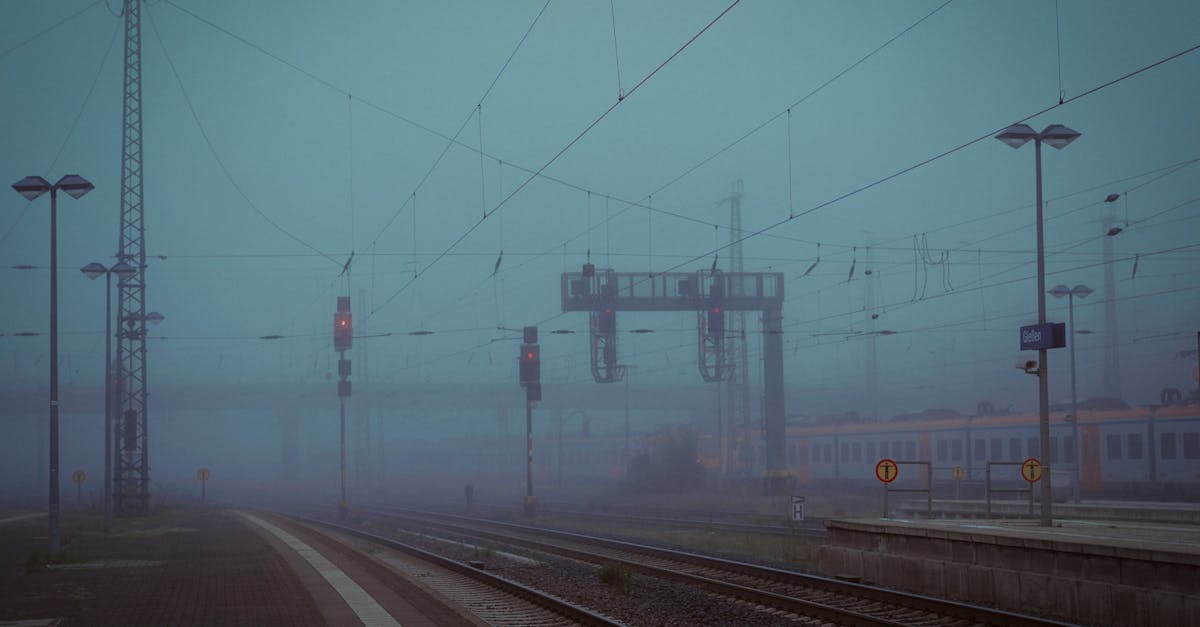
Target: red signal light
{"points": [[607, 322], [343, 333], [716, 321], [531, 367]]}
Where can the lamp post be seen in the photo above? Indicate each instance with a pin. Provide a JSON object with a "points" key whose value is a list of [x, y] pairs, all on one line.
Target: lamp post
{"points": [[1082, 291], [123, 271], [1058, 136], [31, 187]]}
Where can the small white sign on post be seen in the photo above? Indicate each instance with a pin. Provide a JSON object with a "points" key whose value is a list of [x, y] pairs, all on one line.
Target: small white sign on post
{"points": [[797, 508]]}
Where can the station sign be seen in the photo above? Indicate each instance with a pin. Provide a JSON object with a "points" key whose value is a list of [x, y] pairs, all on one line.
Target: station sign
{"points": [[1036, 337], [797, 508]]}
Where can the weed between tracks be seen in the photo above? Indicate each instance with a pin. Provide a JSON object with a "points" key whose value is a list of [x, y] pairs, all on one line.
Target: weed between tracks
{"points": [[616, 575], [484, 551]]}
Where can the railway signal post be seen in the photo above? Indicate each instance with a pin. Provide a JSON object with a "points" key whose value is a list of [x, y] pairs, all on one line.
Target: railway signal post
{"points": [[343, 335], [712, 294], [530, 378], [78, 477], [203, 475]]}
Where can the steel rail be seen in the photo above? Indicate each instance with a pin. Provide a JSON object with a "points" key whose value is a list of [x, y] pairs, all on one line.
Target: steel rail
{"points": [[842, 589], [549, 602]]}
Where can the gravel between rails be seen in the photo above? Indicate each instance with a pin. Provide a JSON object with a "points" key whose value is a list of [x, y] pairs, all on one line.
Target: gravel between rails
{"points": [[649, 601]]}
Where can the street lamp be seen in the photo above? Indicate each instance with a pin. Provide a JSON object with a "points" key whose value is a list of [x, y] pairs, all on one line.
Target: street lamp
{"points": [[1082, 291], [1058, 136], [31, 187], [123, 271]]}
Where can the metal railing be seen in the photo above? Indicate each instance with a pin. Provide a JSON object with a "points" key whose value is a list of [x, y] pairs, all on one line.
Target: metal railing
{"points": [[988, 489], [928, 489]]}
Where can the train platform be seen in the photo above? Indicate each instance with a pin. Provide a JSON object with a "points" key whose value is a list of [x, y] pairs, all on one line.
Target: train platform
{"points": [[1124, 511], [184, 566], [1086, 571]]}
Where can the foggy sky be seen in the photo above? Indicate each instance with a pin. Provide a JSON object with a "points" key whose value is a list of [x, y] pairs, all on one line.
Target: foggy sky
{"points": [[323, 140]]}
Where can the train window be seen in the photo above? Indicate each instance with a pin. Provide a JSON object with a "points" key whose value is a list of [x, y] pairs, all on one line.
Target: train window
{"points": [[845, 452], [1014, 450], [1191, 445], [816, 451], [1035, 447], [1134, 445], [956, 450], [1168, 446], [997, 449], [792, 454], [1114, 446], [1052, 455], [883, 450], [980, 449], [1068, 449], [871, 451], [942, 452], [828, 452], [858, 451], [910, 450], [897, 450]]}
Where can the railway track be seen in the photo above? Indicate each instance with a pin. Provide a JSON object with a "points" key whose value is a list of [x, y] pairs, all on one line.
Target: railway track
{"points": [[788, 594], [492, 599], [698, 521]]}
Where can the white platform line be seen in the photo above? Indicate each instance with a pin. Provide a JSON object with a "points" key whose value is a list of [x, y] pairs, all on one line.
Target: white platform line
{"points": [[364, 605], [21, 517]]}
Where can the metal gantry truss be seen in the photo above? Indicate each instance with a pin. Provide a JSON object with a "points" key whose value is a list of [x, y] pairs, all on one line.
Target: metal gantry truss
{"points": [[713, 360], [603, 293], [131, 463]]}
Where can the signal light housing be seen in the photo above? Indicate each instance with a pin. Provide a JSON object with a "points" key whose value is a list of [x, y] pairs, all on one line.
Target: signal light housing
{"points": [[608, 321], [343, 331], [716, 321], [531, 364]]}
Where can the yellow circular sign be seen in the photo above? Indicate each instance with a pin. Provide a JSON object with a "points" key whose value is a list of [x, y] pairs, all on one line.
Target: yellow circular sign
{"points": [[886, 470], [79, 477], [958, 473], [203, 474], [1031, 470]]}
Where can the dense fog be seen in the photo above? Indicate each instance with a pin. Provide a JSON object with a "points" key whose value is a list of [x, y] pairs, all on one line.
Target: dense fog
{"points": [[443, 164]]}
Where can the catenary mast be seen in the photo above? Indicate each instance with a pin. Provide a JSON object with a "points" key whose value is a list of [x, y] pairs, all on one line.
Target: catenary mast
{"points": [[131, 476]]}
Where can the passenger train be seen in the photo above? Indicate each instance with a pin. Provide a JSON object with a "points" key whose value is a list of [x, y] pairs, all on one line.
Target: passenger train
{"points": [[1122, 451]]}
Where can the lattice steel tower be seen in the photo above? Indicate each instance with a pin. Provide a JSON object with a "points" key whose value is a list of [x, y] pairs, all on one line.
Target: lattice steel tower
{"points": [[131, 463]]}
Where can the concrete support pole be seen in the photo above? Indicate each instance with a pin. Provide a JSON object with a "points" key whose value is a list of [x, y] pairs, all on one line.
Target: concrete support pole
{"points": [[775, 418]]}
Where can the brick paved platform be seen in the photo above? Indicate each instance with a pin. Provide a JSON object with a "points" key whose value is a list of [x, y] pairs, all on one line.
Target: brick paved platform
{"points": [[179, 566]]}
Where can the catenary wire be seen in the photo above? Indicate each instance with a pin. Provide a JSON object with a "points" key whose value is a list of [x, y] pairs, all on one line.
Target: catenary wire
{"points": [[217, 157]]}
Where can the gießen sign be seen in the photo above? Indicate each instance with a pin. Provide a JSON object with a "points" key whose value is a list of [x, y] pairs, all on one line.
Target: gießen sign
{"points": [[1039, 336]]}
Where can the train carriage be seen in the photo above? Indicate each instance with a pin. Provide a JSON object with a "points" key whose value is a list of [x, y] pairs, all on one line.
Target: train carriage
{"points": [[1117, 451]]}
